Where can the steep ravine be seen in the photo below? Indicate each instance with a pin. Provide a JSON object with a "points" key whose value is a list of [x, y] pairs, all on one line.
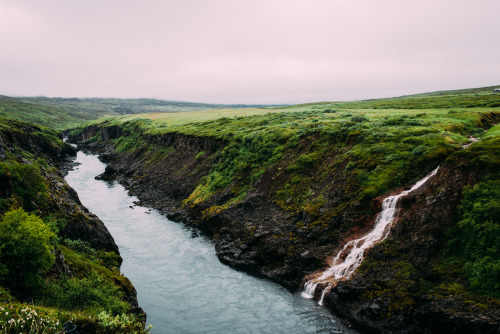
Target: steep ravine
{"points": [[257, 235], [24, 144]]}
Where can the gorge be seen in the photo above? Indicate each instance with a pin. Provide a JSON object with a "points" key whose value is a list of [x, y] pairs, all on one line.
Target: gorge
{"points": [[281, 230], [181, 284], [282, 194]]}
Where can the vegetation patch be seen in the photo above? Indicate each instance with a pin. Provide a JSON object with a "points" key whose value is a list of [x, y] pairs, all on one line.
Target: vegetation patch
{"points": [[34, 209]]}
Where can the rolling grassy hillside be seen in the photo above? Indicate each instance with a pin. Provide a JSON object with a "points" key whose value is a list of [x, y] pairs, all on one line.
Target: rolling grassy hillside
{"points": [[388, 143], [63, 113], [379, 148]]}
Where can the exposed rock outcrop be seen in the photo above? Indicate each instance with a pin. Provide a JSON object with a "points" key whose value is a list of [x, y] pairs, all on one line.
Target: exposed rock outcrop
{"points": [[378, 299]]}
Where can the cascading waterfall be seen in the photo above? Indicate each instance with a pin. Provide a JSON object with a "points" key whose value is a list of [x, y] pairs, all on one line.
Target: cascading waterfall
{"points": [[351, 255]]}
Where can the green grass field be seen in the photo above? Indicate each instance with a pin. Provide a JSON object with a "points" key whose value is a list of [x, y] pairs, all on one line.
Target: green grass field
{"points": [[381, 146]]}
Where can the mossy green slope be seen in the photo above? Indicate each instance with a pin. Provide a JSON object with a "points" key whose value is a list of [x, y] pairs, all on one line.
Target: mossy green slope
{"points": [[62, 278], [378, 150]]}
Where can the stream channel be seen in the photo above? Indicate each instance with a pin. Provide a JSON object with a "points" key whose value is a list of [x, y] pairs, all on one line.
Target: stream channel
{"points": [[180, 283]]}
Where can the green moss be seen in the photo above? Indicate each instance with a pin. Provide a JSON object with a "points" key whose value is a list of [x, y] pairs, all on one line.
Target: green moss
{"points": [[475, 240]]}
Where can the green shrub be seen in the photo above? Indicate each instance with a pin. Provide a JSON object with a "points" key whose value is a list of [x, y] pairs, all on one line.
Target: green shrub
{"points": [[419, 150], [350, 165], [25, 182], [80, 246], [476, 238], [329, 111], [359, 119], [93, 293], [25, 248], [121, 323]]}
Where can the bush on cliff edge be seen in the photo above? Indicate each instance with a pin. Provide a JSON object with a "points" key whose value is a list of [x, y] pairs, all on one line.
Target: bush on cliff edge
{"points": [[25, 249]]}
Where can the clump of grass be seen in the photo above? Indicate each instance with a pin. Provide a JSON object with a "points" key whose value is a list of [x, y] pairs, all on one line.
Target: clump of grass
{"points": [[20, 318]]}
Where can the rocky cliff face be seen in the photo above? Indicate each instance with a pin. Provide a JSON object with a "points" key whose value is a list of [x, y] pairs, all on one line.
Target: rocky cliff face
{"points": [[391, 291], [389, 294], [255, 235], [81, 224], [25, 144]]}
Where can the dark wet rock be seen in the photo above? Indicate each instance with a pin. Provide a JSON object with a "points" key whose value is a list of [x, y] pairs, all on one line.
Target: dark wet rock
{"points": [[60, 266], [2, 149], [108, 175]]}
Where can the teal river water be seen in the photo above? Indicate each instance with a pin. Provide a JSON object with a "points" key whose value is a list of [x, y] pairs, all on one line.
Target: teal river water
{"points": [[181, 284]]}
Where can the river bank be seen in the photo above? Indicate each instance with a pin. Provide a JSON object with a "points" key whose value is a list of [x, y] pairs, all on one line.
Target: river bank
{"points": [[402, 286], [42, 217], [180, 282]]}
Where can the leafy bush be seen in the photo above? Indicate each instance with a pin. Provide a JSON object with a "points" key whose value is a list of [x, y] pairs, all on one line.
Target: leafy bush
{"points": [[25, 182], [25, 248], [305, 161], [359, 119], [476, 238], [329, 111], [80, 246]]}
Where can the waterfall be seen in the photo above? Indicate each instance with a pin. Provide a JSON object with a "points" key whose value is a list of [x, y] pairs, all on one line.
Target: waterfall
{"points": [[349, 258]]}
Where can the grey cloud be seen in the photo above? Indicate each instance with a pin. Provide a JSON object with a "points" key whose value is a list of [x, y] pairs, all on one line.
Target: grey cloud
{"points": [[274, 51]]}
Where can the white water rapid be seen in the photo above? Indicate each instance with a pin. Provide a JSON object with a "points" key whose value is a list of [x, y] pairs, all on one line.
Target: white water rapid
{"points": [[351, 255]]}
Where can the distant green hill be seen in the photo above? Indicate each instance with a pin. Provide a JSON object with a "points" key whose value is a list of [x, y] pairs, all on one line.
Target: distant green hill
{"points": [[63, 113], [462, 98], [488, 89]]}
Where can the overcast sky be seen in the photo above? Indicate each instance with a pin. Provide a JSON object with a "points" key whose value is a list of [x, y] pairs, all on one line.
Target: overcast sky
{"points": [[236, 51]]}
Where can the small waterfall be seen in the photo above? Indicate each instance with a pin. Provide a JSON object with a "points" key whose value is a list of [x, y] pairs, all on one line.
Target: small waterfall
{"points": [[472, 139], [351, 255]]}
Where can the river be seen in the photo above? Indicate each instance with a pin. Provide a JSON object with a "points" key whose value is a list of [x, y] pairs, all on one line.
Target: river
{"points": [[181, 284]]}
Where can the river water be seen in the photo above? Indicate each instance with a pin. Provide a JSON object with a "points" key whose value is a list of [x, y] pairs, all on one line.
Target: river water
{"points": [[181, 284]]}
